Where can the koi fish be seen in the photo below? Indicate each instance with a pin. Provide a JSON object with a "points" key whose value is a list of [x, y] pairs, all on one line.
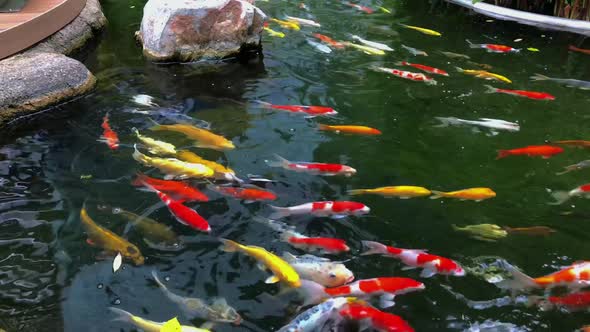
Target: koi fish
{"points": [[484, 74], [375, 319], [574, 276], [521, 93], [359, 130], [204, 138], [534, 230], [312, 111], [427, 69], [570, 83], [483, 232], [482, 122], [183, 214], [248, 193], [403, 192], [221, 172], [455, 55], [365, 49], [544, 151], [414, 51], [385, 288], [302, 21], [314, 319], [372, 44], [335, 210], [416, 77], [331, 42], [423, 30], [218, 311], [320, 270], [575, 167], [431, 264], [572, 302], [312, 168], [564, 196], [109, 241], [148, 325], [176, 189], [580, 50], [281, 270], [287, 24], [144, 100], [494, 48], [474, 194], [574, 143], [272, 32], [108, 135], [359, 7], [172, 167], [154, 146], [480, 65], [320, 47]]}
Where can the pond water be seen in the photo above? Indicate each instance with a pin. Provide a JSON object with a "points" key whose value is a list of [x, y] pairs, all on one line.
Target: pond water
{"points": [[52, 280]]}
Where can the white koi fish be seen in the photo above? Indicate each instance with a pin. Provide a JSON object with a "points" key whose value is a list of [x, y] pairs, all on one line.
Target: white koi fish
{"points": [[372, 44], [334, 209], [320, 47], [319, 269], [414, 51], [314, 318], [482, 122], [303, 21]]}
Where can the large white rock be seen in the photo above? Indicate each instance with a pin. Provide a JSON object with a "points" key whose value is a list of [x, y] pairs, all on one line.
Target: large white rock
{"points": [[187, 30]]}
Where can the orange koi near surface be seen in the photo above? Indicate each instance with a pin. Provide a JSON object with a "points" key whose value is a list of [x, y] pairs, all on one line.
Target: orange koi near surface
{"points": [[328, 40], [544, 151], [109, 135]]}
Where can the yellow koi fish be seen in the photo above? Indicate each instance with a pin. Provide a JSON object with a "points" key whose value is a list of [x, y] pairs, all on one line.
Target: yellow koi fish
{"points": [[105, 239], [205, 138], [281, 270], [403, 192], [366, 49], [221, 172], [155, 146], [287, 24], [273, 33], [473, 194], [484, 74], [174, 168], [423, 30], [151, 326]]}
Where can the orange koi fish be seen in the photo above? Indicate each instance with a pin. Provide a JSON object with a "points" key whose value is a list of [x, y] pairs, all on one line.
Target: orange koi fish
{"points": [[574, 276], [109, 135], [544, 151], [580, 50], [574, 143], [360, 130], [380, 321], [473, 194], [331, 42]]}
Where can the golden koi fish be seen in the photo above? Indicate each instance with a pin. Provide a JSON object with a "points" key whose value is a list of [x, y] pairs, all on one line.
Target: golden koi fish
{"points": [[281, 270], [155, 146], [287, 24], [204, 138], [366, 49], [151, 326], [104, 238], [474, 194], [274, 33], [403, 192], [423, 30], [483, 232], [174, 168], [484, 74], [221, 171]]}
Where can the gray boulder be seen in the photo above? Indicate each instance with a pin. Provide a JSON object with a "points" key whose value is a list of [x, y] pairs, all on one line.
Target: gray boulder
{"points": [[195, 29]]}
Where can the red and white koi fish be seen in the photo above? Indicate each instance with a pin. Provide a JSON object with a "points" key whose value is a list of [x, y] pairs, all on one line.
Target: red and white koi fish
{"points": [[385, 288], [183, 214], [312, 168], [334, 209], [427, 69], [178, 190], [248, 193], [375, 319], [109, 135], [311, 111], [521, 93], [494, 48], [359, 7], [544, 151], [563, 196], [431, 264], [574, 276], [416, 77]]}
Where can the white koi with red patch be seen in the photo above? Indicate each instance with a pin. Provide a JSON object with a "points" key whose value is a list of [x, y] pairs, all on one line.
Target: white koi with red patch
{"points": [[312, 168], [417, 77], [334, 209]]}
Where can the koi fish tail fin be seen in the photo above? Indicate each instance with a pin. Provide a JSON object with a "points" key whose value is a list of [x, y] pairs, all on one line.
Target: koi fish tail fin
{"points": [[122, 315], [311, 292], [139, 180], [135, 131], [560, 197], [353, 37], [456, 228], [229, 245], [279, 212], [459, 69], [278, 162], [490, 89], [323, 127], [567, 169], [471, 45], [400, 63], [380, 69], [373, 248], [539, 77], [156, 126], [445, 122], [263, 103], [431, 82], [273, 224], [357, 192], [502, 154], [157, 280], [437, 194], [519, 281], [538, 301], [136, 154]]}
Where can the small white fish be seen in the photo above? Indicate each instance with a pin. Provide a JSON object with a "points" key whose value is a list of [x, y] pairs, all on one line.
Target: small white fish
{"points": [[482, 122], [303, 21], [144, 100], [372, 44], [414, 51], [117, 262], [320, 47]]}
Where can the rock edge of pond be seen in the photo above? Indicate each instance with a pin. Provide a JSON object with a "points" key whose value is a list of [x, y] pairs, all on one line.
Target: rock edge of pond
{"points": [[44, 75]]}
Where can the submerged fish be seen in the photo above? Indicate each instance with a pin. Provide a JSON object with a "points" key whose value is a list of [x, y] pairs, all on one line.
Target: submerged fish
{"points": [[172, 167], [569, 82], [473, 194], [378, 320], [359, 7], [249, 193], [154, 146], [148, 325], [403, 192], [319, 269], [544, 151], [494, 48], [423, 30], [281, 270], [336, 210], [311, 111], [574, 276], [109, 135], [574, 143], [427, 69], [320, 47], [313, 319], [272, 32], [144, 100], [303, 21], [484, 74], [455, 55], [331, 42], [372, 44], [416, 77], [484, 232], [221, 172], [563, 196], [534, 230], [572, 302], [575, 167], [312, 168], [580, 50], [365, 49], [217, 311], [359, 130], [203, 137], [483, 122], [109, 241], [521, 93], [414, 51], [287, 24]]}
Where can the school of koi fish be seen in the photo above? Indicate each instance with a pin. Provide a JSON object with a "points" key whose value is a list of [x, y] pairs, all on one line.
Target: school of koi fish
{"points": [[329, 295]]}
